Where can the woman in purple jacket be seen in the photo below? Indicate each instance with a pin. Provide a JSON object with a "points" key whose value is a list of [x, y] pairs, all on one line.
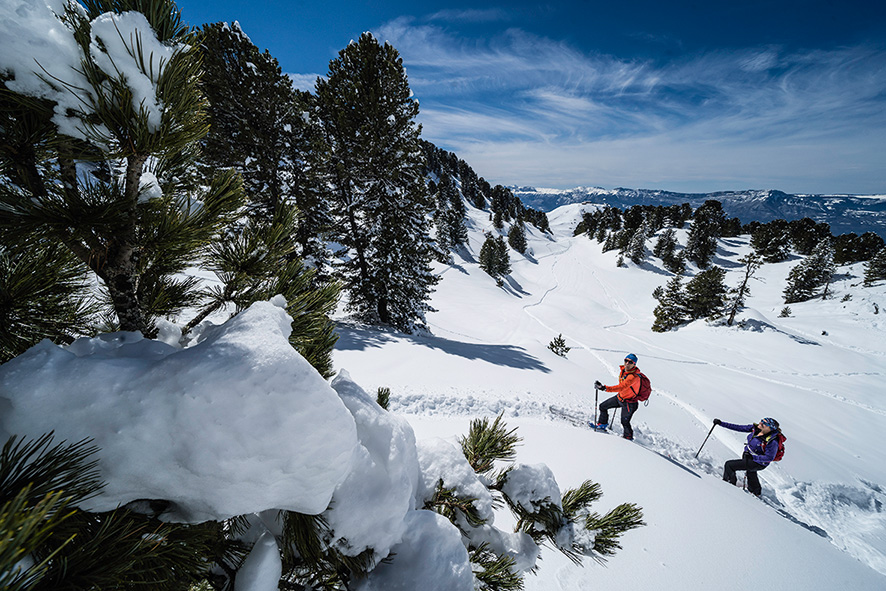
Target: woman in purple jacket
{"points": [[758, 452]]}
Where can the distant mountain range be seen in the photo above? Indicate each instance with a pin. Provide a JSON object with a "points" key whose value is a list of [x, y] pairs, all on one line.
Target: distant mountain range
{"points": [[845, 213]]}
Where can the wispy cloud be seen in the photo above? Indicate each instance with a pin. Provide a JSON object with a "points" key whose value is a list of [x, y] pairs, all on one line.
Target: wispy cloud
{"points": [[470, 16], [756, 117], [305, 82]]}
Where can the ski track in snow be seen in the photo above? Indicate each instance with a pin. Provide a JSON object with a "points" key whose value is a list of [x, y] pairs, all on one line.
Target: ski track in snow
{"points": [[831, 342], [556, 286]]}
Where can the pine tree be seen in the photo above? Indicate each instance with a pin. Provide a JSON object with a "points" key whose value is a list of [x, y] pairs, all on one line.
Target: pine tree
{"points": [[772, 241], [739, 295], [517, 237], [677, 215], [250, 106], [601, 235], [810, 274], [43, 295], [494, 257], [503, 257], [676, 264], [701, 245], [470, 185], [587, 225], [124, 202], [130, 215], [257, 263], [383, 397], [488, 257], [666, 245], [671, 310], [706, 294], [666, 249], [449, 218], [851, 248], [489, 444], [537, 218], [498, 220], [807, 233], [612, 218], [441, 223], [622, 239], [458, 230], [558, 346], [41, 484], [377, 184], [875, 269], [267, 131], [731, 227], [637, 247]]}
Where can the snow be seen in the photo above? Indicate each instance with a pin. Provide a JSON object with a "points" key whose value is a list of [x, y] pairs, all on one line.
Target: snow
{"points": [[31, 35], [262, 568], [531, 487], [439, 458], [116, 39], [238, 423], [149, 187], [369, 507], [431, 557], [39, 49]]}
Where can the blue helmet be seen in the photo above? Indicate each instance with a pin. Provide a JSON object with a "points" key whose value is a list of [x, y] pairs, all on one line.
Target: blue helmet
{"points": [[770, 422], [631, 357]]}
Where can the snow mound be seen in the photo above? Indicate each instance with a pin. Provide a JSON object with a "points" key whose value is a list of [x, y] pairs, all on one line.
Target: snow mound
{"points": [[236, 424], [431, 558], [369, 508], [441, 460]]}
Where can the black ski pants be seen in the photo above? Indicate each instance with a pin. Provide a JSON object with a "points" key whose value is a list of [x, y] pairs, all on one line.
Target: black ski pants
{"points": [[750, 467], [627, 411]]}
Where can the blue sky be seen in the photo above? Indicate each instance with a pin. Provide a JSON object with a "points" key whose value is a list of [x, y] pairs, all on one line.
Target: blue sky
{"points": [[682, 95]]}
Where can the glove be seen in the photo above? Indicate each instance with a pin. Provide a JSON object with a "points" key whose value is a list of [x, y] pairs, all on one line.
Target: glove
{"points": [[599, 386], [717, 421]]}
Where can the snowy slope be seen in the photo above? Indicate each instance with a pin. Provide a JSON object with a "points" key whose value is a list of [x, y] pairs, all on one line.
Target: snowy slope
{"points": [[488, 354]]}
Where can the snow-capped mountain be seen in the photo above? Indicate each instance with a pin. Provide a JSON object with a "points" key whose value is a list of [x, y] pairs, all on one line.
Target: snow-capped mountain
{"points": [[844, 213]]}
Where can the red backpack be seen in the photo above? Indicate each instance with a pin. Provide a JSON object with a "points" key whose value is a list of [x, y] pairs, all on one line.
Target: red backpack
{"points": [[780, 439], [645, 388]]}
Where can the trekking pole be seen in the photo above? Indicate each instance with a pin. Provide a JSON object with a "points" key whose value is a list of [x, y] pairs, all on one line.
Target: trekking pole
{"points": [[596, 391], [705, 440]]}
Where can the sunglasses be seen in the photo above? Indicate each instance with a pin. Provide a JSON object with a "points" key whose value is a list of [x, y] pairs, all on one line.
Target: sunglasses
{"points": [[629, 361]]}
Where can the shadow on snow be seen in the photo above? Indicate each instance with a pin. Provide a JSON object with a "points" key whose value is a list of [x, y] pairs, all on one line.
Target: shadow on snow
{"points": [[353, 338]]}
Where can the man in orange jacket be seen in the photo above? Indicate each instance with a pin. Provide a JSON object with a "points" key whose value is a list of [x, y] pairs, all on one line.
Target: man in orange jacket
{"points": [[626, 396]]}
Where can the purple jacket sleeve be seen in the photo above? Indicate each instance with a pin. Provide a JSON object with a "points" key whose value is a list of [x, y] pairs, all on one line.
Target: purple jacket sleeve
{"points": [[768, 454], [734, 427]]}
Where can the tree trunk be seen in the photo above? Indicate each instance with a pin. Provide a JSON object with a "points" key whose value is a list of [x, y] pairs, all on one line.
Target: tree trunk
{"points": [[121, 266], [358, 246]]}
